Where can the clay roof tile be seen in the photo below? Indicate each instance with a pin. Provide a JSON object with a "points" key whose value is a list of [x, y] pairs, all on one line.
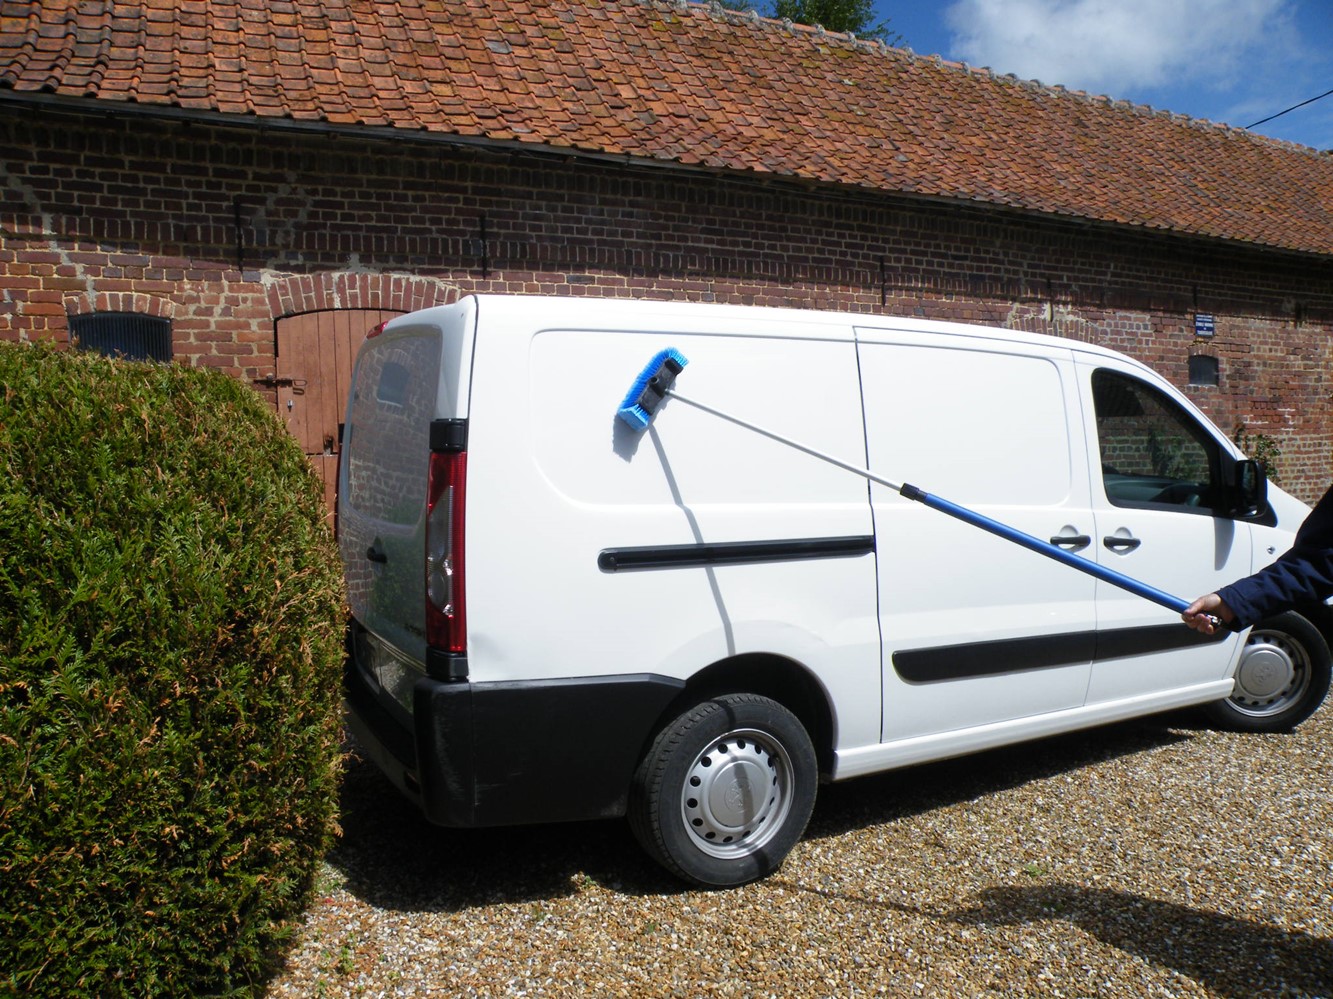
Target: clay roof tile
{"points": [[667, 80]]}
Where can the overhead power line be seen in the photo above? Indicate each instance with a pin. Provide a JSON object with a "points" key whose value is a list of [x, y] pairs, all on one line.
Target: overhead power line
{"points": [[1292, 108]]}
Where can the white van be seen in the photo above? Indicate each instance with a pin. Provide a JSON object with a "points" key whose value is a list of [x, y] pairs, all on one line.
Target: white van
{"points": [[558, 618]]}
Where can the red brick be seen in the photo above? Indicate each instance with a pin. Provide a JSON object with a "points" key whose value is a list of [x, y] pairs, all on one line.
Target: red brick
{"points": [[560, 227]]}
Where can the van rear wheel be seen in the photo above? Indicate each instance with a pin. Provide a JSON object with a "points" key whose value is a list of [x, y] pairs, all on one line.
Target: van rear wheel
{"points": [[725, 790], [1282, 677]]}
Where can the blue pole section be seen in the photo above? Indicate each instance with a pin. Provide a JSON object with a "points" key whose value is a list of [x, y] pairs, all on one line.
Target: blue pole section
{"points": [[1045, 548]]}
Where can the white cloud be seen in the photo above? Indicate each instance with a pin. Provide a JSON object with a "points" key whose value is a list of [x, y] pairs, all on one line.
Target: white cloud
{"points": [[1120, 47]]}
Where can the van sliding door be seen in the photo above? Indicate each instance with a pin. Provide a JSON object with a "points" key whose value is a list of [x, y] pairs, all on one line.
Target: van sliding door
{"points": [[976, 630]]}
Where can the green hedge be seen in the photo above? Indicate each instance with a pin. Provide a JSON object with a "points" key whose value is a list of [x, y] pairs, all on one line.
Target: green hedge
{"points": [[171, 622]]}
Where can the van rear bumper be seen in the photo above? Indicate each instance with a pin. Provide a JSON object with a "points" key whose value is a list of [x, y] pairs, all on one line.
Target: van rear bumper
{"points": [[486, 754]]}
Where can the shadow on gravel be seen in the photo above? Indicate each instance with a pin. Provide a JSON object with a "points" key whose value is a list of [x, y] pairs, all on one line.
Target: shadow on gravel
{"points": [[393, 859], [1231, 957], [913, 790]]}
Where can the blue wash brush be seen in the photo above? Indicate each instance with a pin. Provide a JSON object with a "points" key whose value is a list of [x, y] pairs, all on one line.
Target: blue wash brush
{"points": [[651, 387]]}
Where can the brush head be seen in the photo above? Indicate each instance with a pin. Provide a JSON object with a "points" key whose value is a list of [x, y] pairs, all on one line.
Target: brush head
{"points": [[651, 387]]}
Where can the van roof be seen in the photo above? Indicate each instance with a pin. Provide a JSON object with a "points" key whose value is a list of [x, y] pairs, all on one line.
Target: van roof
{"points": [[585, 313]]}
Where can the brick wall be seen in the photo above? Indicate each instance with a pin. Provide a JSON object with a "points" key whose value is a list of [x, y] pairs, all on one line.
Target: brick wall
{"points": [[223, 231]]}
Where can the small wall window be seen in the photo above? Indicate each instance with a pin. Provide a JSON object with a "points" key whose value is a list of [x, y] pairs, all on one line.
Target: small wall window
{"points": [[130, 335], [1203, 370]]}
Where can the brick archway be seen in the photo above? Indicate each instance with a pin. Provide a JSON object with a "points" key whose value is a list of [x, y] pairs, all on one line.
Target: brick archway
{"points": [[318, 318], [296, 294], [119, 301]]}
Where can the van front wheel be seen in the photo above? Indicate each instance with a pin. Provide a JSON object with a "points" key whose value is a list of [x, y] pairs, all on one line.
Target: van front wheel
{"points": [[725, 790], [1282, 677]]}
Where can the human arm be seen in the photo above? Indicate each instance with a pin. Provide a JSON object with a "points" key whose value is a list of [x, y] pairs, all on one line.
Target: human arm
{"points": [[1303, 575]]}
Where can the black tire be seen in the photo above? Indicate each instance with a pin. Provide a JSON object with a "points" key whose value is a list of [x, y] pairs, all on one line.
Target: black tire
{"points": [[1281, 679], [692, 804]]}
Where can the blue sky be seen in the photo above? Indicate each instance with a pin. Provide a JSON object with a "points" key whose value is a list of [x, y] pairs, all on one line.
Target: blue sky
{"points": [[1231, 61]]}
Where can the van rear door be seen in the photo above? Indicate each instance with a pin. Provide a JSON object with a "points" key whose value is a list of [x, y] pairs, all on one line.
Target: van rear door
{"points": [[413, 373]]}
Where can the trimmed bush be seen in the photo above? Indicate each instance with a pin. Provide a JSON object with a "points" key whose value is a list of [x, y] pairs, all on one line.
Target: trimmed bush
{"points": [[171, 629]]}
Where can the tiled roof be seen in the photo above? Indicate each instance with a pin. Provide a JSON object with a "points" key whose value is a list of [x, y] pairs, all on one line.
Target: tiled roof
{"points": [[657, 80]]}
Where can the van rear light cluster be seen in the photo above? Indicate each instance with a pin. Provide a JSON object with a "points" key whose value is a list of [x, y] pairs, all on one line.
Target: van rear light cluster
{"points": [[446, 605]]}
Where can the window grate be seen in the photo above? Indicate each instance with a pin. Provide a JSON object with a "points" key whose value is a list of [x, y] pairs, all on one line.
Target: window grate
{"points": [[131, 335], [1204, 370]]}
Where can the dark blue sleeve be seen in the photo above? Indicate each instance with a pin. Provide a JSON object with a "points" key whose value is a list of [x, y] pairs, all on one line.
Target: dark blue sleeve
{"points": [[1302, 575]]}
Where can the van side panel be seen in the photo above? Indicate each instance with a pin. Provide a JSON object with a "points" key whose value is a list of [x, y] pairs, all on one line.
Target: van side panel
{"points": [[556, 482]]}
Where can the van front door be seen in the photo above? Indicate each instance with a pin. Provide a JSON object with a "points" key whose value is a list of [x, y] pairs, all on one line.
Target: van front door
{"points": [[1161, 519], [976, 631]]}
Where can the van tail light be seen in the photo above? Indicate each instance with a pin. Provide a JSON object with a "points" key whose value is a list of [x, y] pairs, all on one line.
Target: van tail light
{"points": [[446, 605]]}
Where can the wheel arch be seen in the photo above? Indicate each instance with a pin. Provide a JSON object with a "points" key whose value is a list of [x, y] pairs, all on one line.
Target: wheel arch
{"points": [[1321, 616], [773, 676]]}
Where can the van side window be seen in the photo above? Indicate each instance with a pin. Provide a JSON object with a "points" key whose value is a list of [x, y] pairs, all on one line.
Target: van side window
{"points": [[1152, 453]]}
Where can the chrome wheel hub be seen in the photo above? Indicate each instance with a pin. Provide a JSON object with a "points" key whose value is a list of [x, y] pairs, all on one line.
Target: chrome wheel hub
{"points": [[1273, 672], [737, 793]]}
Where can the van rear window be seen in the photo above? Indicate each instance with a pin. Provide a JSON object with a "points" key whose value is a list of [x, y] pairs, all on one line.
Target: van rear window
{"points": [[392, 388], [388, 427]]}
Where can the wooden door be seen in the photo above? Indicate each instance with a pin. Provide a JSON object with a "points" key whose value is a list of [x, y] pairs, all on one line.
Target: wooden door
{"points": [[315, 353]]}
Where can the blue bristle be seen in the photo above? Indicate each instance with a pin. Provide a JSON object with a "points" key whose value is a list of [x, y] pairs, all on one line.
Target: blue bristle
{"points": [[638, 405], [636, 416]]}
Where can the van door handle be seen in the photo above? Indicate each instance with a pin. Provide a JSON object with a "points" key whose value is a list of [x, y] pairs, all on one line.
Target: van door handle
{"points": [[1121, 544], [376, 552], [1074, 541]]}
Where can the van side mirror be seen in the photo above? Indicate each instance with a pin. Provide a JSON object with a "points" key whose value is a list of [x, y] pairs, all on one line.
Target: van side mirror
{"points": [[1249, 489]]}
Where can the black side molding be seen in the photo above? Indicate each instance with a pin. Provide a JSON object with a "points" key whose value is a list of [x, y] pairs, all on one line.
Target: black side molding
{"points": [[733, 553], [1012, 655], [1017, 655]]}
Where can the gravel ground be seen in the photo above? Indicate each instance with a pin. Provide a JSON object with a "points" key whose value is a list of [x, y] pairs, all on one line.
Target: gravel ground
{"points": [[1153, 858]]}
